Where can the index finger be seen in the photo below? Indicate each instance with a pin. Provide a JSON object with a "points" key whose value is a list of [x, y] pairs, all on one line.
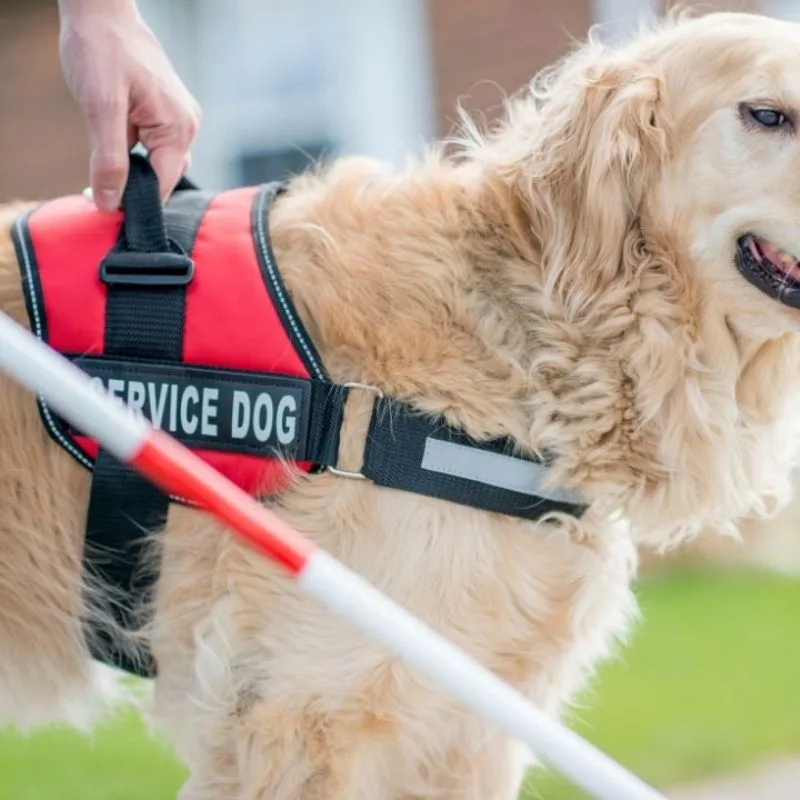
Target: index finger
{"points": [[108, 165]]}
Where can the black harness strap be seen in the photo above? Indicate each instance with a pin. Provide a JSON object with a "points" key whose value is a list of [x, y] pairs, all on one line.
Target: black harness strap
{"points": [[420, 453], [146, 275]]}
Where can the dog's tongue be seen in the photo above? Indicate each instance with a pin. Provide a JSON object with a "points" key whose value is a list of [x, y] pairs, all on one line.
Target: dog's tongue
{"points": [[778, 258]]}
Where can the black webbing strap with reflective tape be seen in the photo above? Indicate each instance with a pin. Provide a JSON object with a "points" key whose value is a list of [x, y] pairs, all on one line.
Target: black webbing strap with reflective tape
{"points": [[421, 453], [146, 275]]}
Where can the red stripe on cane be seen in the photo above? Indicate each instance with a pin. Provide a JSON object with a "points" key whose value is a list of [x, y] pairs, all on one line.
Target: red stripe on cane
{"points": [[175, 469]]}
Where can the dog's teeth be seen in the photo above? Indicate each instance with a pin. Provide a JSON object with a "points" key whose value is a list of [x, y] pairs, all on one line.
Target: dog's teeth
{"points": [[752, 247], [778, 258]]}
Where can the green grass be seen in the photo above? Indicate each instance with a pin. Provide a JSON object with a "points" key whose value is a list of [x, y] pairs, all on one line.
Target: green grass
{"points": [[118, 762], [710, 683]]}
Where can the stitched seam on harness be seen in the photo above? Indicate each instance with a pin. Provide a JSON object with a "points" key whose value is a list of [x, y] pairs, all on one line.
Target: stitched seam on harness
{"points": [[37, 323], [271, 268]]}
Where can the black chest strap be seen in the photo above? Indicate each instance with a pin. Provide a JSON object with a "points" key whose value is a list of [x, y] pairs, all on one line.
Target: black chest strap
{"points": [[419, 453], [146, 277]]}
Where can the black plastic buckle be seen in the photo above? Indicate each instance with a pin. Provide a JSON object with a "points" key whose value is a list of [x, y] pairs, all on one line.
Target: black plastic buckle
{"points": [[129, 268]]}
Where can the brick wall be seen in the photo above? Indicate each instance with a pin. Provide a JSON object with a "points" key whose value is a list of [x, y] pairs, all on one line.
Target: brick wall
{"points": [[43, 148], [477, 43]]}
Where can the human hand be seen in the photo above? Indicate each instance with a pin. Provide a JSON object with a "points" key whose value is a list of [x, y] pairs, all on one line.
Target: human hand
{"points": [[128, 91]]}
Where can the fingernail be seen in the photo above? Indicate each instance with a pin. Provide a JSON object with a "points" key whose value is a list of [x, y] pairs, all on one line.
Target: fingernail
{"points": [[107, 200]]}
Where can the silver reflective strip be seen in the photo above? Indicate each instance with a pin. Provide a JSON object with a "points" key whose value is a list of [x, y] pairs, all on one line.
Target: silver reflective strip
{"points": [[492, 469]]}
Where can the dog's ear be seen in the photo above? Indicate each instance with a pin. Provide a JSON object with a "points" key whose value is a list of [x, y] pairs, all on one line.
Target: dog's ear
{"points": [[580, 151]]}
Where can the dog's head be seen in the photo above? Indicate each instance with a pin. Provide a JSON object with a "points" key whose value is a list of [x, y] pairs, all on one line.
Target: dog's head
{"points": [[690, 133], [729, 190], [664, 174]]}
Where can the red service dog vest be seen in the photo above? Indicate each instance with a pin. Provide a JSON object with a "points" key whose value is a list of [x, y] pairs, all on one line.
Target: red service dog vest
{"points": [[239, 325]]}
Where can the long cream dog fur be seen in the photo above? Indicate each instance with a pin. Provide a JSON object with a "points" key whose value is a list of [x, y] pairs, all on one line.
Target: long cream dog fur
{"points": [[566, 278]]}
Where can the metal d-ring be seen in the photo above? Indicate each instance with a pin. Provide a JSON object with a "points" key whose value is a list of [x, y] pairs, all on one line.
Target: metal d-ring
{"points": [[345, 473]]}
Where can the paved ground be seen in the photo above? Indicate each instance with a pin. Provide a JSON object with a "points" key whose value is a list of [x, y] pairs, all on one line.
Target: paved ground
{"points": [[778, 780]]}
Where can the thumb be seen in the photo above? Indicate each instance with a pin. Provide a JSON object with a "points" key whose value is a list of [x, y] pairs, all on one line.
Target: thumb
{"points": [[108, 166]]}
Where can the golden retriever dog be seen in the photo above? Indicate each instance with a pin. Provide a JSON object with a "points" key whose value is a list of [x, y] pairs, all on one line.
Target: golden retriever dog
{"points": [[607, 275]]}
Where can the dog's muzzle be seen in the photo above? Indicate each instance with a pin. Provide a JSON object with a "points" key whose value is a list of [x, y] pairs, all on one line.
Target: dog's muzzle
{"points": [[773, 272]]}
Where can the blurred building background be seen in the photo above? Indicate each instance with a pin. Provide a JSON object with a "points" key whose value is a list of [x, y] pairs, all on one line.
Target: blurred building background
{"points": [[283, 81]]}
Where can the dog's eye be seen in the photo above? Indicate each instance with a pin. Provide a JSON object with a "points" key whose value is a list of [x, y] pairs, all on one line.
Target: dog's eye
{"points": [[769, 117]]}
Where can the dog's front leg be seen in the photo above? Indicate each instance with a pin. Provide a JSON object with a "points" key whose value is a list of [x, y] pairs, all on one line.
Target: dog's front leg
{"points": [[267, 755], [494, 771]]}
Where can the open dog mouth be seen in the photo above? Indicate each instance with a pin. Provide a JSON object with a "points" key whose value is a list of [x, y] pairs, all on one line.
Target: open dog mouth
{"points": [[772, 270]]}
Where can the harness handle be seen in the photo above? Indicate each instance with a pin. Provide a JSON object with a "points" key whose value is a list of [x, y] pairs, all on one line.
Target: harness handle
{"points": [[144, 255]]}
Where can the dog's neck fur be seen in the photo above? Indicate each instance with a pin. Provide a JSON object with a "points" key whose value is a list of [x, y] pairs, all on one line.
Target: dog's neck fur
{"points": [[650, 407]]}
